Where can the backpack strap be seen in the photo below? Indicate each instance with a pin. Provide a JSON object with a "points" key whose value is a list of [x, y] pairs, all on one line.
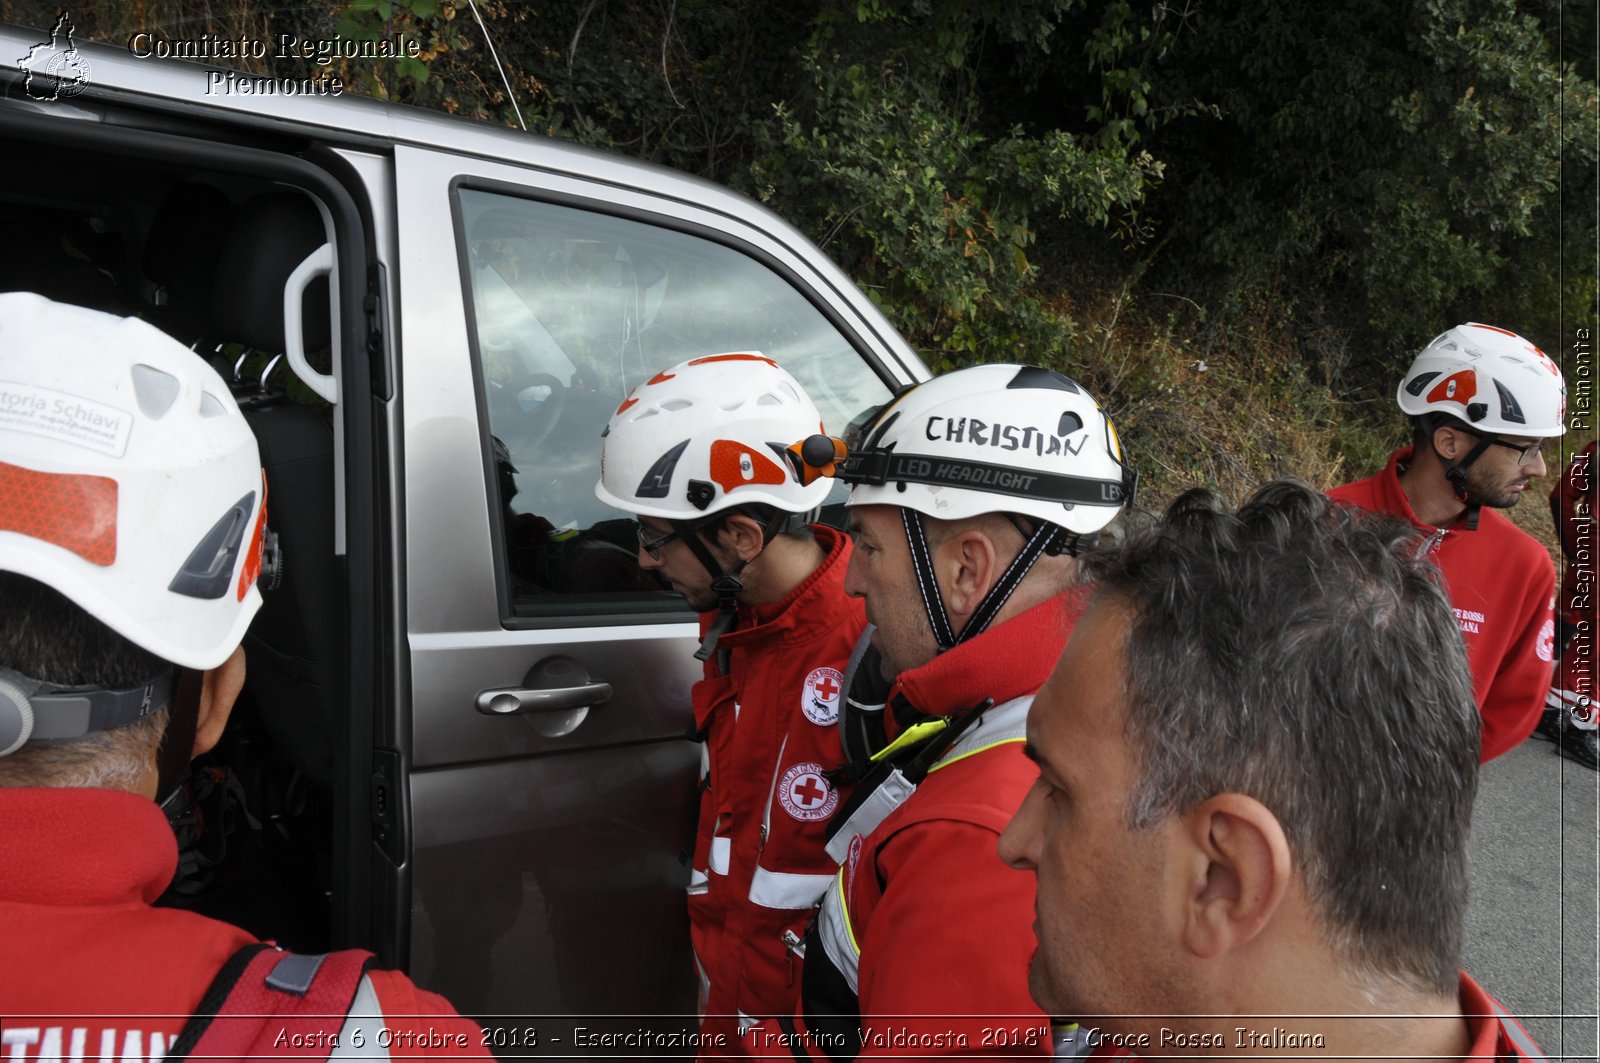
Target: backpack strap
{"points": [[267, 1002]]}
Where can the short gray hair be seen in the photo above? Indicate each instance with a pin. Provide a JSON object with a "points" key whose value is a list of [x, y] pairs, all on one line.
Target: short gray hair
{"points": [[45, 636], [1305, 654], [111, 760]]}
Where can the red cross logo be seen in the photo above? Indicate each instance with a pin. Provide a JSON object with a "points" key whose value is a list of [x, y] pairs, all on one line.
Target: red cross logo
{"points": [[808, 793], [804, 793], [820, 699]]}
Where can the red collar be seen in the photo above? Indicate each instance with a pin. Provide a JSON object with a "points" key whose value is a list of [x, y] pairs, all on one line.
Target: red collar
{"points": [[1392, 496], [71, 847], [1495, 1033], [1005, 662], [804, 611]]}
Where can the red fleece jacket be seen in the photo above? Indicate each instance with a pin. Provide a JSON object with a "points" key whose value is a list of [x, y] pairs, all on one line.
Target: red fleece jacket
{"points": [[1502, 585]]}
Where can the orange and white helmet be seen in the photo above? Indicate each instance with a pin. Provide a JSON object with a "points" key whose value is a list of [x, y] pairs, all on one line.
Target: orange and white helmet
{"points": [[710, 434], [129, 480], [1494, 380]]}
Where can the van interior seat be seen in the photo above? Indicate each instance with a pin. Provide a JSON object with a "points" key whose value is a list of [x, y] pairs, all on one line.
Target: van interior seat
{"points": [[291, 645], [181, 269]]}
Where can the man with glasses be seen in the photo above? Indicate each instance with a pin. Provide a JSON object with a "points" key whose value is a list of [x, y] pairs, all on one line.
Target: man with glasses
{"points": [[723, 462], [1483, 403]]}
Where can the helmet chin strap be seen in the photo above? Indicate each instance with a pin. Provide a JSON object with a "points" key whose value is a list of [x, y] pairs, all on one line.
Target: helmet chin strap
{"points": [[1456, 473], [177, 743], [727, 585], [1042, 540]]}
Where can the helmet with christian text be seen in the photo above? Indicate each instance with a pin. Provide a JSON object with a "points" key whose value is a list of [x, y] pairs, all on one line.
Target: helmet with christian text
{"points": [[129, 480], [1493, 380], [994, 439], [713, 433]]}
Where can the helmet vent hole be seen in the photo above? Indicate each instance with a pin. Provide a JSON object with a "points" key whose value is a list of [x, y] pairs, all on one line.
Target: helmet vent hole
{"points": [[674, 405], [769, 399], [155, 389], [211, 406]]}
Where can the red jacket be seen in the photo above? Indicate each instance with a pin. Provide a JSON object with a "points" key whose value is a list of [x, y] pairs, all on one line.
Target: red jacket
{"points": [[92, 971], [1502, 585], [1497, 1037], [942, 929], [771, 730]]}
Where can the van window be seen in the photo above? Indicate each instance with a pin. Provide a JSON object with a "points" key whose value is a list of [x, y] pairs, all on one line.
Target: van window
{"points": [[570, 310]]}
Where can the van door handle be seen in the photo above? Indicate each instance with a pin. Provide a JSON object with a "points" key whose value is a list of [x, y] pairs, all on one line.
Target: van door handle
{"points": [[554, 697], [509, 700]]}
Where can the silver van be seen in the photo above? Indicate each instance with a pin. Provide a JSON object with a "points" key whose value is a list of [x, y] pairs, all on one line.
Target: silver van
{"points": [[466, 742]]}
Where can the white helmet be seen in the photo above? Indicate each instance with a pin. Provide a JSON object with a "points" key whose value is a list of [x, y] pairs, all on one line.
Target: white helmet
{"points": [[710, 434], [1009, 439], [129, 481], [1494, 380], [994, 439]]}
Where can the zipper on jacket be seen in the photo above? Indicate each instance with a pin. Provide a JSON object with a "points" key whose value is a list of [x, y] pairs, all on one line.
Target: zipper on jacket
{"points": [[766, 814], [795, 946]]}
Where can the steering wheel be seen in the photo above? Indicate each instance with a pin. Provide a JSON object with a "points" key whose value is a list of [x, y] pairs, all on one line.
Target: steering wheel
{"points": [[527, 409]]}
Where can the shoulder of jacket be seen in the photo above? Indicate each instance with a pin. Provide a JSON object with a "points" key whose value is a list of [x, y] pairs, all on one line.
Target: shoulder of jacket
{"points": [[982, 790]]}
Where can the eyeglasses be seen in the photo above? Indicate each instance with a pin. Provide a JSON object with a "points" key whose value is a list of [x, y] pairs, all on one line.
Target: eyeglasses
{"points": [[1526, 452], [652, 547]]}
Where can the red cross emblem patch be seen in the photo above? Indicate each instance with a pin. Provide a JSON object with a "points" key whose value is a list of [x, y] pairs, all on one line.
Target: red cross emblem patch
{"points": [[805, 793], [820, 698]]}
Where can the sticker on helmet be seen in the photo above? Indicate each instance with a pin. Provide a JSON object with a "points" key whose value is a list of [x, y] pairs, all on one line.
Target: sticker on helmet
{"points": [[1457, 387], [735, 465], [805, 793], [820, 698], [67, 418]]}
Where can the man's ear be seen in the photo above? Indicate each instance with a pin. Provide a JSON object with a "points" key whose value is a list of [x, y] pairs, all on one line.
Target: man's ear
{"points": [[1447, 442], [741, 534], [967, 565], [1240, 872], [219, 689]]}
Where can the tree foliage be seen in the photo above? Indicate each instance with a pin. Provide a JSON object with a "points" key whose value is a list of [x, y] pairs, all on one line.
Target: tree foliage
{"points": [[1391, 165], [1249, 206]]}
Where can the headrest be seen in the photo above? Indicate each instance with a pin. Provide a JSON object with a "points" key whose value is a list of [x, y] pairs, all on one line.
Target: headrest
{"points": [[273, 233]]}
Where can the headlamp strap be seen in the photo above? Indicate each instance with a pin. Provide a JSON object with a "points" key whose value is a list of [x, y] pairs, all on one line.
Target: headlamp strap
{"points": [[927, 583], [878, 467], [1038, 543]]}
